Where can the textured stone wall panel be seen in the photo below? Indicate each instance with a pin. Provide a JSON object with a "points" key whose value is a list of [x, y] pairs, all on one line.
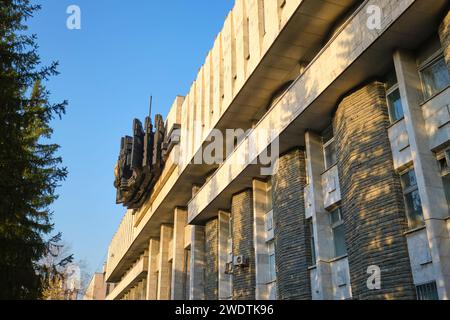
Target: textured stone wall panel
{"points": [[292, 251], [211, 260], [244, 281], [372, 200]]}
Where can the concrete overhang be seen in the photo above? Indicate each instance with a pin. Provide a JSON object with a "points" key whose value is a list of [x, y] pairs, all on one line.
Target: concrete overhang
{"points": [[137, 273], [412, 25]]}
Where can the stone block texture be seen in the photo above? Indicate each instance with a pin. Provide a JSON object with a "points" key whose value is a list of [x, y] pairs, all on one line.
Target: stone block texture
{"points": [[444, 34], [372, 199], [292, 251], [211, 260], [244, 281]]}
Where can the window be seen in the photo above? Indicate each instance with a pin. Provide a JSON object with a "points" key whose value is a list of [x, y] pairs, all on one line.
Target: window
{"points": [[269, 221], [337, 224], [312, 242], [413, 203], [427, 291], [272, 262], [434, 77], [394, 104], [443, 159], [329, 148], [273, 274]]}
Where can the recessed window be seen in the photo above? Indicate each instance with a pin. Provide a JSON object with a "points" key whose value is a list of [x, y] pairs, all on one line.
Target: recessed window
{"points": [[394, 102], [330, 154], [413, 203], [269, 221], [427, 291], [273, 274], [443, 159], [337, 225], [272, 262], [312, 242], [434, 77], [329, 148]]}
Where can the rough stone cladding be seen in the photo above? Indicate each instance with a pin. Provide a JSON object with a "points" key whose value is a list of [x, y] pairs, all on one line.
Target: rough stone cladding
{"points": [[244, 281], [292, 250], [372, 199], [211, 260]]}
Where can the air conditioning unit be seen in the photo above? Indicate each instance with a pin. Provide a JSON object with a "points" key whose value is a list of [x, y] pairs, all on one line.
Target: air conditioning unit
{"points": [[229, 268], [240, 261]]}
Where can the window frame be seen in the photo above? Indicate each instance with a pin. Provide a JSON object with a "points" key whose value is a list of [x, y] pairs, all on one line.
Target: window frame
{"points": [[333, 226], [444, 155], [407, 191], [325, 145], [433, 59], [390, 91], [312, 241], [272, 272], [424, 289]]}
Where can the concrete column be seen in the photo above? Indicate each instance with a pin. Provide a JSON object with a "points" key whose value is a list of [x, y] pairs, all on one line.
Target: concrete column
{"points": [[323, 234], [429, 181], [197, 276], [259, 238], [164, 280], [152, 273], [292, 249], [180, 221], [225, 280]]}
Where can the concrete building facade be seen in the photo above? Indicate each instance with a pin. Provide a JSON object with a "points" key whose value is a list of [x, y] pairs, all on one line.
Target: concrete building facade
{"points": [[356, 97]]}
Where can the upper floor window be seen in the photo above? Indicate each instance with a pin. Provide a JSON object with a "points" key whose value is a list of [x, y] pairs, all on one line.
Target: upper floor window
{"points": [[443, 158], [394, 104], [329, 148], [312, 241], [413, 203], [337, 225], [427, 291], [269, 221], [393, 98], [272, 262], [434, 76]]}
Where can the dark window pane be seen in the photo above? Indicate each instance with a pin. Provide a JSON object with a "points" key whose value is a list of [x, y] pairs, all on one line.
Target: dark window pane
{"points": [[395, 106], [312, 242], [435, 78], [427, 291], [446, 181], [272, 266], [340, 248], [409, 179], [330, 155], [335, 216], [327, 134], [414, 209]]}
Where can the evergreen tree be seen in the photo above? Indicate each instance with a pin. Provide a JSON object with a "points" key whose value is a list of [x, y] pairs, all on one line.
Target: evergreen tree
{"points": [[30, 171]]}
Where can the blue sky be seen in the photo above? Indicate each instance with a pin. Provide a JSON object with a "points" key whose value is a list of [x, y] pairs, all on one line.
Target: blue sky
{"points": [[125, 51]]}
